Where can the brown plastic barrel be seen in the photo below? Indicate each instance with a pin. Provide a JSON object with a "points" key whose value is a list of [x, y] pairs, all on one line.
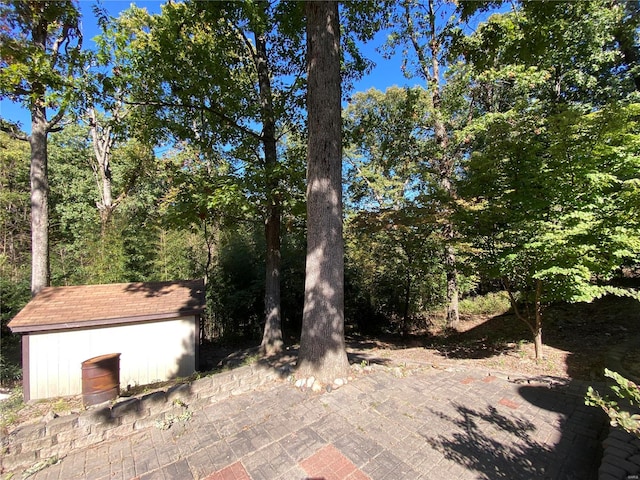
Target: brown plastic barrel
{"points": [[101, 379]]}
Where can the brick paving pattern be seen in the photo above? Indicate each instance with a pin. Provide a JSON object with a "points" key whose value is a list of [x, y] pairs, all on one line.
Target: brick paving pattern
{"points": [[431, 424], [329, 464], [232, 472]]}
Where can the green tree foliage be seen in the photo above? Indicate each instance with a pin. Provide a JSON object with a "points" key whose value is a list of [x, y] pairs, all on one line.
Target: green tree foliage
{"points": [[41, 58], [552, 156], [40, 54], [394, 247], [14, 207], [14, 247], [73, 215], [14, 228], [236, 285], [393, 269], [213, 74], [619, 415], [81, 251]]}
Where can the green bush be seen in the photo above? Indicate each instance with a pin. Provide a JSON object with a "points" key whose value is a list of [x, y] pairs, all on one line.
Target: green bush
{"points": [[13, 296], [10, 373], [10, 407], [620, 416]]}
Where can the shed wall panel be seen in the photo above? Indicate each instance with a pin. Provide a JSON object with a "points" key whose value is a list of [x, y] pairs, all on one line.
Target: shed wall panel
{"points": [[150, 352]]}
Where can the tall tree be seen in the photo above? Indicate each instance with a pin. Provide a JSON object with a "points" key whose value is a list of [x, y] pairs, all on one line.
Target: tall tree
{"points": [[425, 28], [272, 334], [231, 93], [322, 344], [553, 161], [102, 139], [392, 211], [40, 46]]}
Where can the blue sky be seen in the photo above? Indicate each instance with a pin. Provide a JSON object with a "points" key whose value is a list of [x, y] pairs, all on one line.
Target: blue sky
{"points": [[385, 74]]}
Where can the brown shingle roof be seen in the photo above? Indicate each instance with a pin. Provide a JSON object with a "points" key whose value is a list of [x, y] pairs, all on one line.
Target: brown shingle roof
{"points": [[55, 308]]}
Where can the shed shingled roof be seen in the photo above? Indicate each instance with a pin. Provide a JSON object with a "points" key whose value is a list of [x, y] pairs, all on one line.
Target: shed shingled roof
{"points": [[56, 308]]}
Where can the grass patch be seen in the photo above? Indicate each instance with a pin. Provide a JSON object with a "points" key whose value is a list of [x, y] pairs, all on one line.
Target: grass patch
{"points": [[490, 304], [251, 359], [10, 407]]}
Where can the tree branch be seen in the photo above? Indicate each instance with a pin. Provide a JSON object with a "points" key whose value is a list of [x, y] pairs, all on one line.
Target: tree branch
{"points": [[13, 131], [378, 198], [229, 121], [514, 304], [51, 128], [416, 46]]}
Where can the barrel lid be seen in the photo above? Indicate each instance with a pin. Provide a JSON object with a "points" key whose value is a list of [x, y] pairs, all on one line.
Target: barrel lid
{"points": [[101, 358]]}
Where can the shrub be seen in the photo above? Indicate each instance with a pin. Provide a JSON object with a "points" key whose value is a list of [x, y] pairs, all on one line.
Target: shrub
{"points": [[493, 303], [10, 373], [619, 416]]}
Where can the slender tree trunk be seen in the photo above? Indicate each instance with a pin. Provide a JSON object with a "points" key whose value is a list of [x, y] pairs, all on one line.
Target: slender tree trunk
{"points": [[428, 58], [407, 302], [272, 336], [322, 345], [102, 141], [537, 334], [272, 342], [39, 198], [445, 171], [535, 324], [453, 316]]}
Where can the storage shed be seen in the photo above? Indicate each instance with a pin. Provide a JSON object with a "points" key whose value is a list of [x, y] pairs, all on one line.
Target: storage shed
{"points": [[153, 326]]}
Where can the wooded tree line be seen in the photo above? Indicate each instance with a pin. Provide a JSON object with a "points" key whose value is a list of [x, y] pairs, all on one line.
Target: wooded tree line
{"points": [[180, 147]]}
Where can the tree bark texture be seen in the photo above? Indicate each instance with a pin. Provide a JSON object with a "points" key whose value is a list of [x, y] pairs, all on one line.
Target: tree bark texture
{"points": [[39, 199], [272, 335], [38, 176], [453, 315], [322, 346], [102, 141], [537, 333]]}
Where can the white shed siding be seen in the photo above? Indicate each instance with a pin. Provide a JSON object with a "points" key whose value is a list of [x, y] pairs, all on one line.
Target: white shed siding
{"points": [[150, 352]]}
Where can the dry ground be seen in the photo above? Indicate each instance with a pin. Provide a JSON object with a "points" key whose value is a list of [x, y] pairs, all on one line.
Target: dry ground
{"points": [[577, 339]]}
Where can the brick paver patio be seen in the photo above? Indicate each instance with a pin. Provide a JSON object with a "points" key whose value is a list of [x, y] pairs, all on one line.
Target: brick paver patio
{"points": [[429, 424]]}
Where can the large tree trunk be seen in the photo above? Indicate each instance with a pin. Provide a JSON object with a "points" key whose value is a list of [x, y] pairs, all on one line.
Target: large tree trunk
{"points": [[272, 335], [322, 346], [39, 199], [40, 276]]}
